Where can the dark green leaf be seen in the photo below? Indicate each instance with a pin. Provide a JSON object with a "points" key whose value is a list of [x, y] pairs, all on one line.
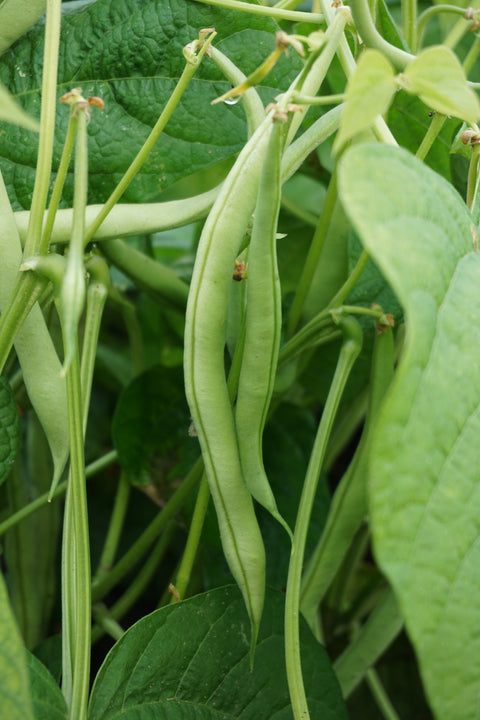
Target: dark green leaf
{"points": [[196, 654], [151, 422], [47, 698], [129, 52], [9, 428], [15, 702]]}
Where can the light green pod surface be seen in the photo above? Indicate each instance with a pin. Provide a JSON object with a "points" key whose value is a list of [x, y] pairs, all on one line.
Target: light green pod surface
{"points": [[35, 350], [263, 328], [205, 381]]}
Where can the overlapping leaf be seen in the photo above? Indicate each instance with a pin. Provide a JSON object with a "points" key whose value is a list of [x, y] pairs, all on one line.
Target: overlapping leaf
{"points": [[425, 490], [129, 52]]}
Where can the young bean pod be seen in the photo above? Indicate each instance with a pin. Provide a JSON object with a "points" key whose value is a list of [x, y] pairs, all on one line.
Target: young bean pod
{"points": [[205, 381], [262, 329]]}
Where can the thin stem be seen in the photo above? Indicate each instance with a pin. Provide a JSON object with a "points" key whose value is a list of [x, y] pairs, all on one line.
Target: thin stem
{"points": [[194, 534], [78, 576], [472, 56], [431, 135], [372, 38], [456, 34], [183, 82], [140, 582], [47, 126], [274, 12], [348, 354], [59, 183], [318, 100], [430, 13], [409, 22], [150, 275], [313, 256], [151, 532], [472, 184], [381, 697], [350, 282], [95, 467], [115, 528]]}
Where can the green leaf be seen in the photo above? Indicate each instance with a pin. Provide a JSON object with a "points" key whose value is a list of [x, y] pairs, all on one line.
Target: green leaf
{"points": [[47, 698], [438, 79], [11, 112], [15, 699], [369, 93], [424, 492], [195, 654], [129, 52], [9, 429], [151, 423]]}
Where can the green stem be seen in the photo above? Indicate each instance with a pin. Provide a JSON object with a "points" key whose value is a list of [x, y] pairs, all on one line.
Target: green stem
{"points": [[472, 55], [472, 184], [409, 22], [117, 520], [313, 256], [252, 103], [376, 635], [318, 100], [101, 588], [78, 576], [350, 282], [183, 82], [138, 585], [298, 211], [106, 622], [152, 276], [348, 354], [372, 38], [381, 697], [274, 12], [59, 182], [47, 126], [194, 534], [456, 34], [430, 136], [430, 13], [43, 500], [27, 289]]}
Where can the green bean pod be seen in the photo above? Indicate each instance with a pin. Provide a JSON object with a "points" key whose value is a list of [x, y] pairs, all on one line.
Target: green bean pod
{"points": [[262, 329], [205, 381], [35, 349]]}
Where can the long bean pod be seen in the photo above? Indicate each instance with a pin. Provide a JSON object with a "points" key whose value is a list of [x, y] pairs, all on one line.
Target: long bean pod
{"points": [[205, 381], [262, 329]]}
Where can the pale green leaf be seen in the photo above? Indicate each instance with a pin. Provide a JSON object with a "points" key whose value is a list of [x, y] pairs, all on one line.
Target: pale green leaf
{"points": [[15, 702], [438, 79], [424, 489], [369, 93]]}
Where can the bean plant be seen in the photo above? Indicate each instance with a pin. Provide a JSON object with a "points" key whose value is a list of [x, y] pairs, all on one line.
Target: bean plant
{"points": [[239, 349]]}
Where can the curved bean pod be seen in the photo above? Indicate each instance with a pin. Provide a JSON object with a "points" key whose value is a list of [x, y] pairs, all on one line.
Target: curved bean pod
{"points": [[262, 330], [35, 350], [205, 381]]}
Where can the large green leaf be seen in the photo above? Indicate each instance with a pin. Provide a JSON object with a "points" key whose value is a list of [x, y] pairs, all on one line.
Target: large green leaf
{"points": [[129, 52], [190, 661], [425, 494], [15, 702]]}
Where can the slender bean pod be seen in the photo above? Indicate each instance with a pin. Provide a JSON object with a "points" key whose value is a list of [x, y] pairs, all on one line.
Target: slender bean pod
{"points": [[205, 381], [34, 347], [262, 329]]}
